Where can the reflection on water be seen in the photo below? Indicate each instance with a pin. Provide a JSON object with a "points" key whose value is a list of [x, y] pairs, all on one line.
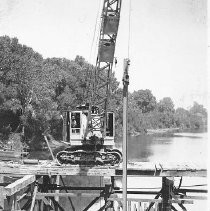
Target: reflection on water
{"points": [[182, 147]]}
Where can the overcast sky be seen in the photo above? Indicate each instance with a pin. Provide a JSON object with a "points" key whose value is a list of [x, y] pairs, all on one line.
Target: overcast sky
{"points": [[167, 48]]}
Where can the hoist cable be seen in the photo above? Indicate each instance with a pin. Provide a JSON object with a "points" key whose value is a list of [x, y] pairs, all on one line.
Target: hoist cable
{"points": [[98, 34], [94, 34]]}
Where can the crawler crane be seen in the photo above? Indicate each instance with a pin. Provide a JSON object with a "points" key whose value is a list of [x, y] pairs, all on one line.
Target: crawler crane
{"points": [[89, 129]]}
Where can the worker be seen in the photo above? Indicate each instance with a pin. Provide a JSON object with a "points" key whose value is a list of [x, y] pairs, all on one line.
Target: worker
{"points": [[73, 122]]}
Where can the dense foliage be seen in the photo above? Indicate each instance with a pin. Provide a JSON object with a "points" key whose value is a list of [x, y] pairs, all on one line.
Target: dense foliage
{"points": [[33, 91]]}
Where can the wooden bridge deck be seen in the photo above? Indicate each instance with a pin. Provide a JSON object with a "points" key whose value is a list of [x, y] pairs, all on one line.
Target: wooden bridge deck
{"points": [[47, 167]]}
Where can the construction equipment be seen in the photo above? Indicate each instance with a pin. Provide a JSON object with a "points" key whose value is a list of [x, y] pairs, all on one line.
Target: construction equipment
{"points": [[89, 129]]}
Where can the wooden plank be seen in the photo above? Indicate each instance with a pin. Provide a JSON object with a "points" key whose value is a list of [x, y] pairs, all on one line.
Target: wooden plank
{"points": [[136, 200], [134, 169], [193, 197], [41, 195], [183, 174], [180, 201], [53, 169], [165, 169], [186, 201], [19, 184], [183, 166]]}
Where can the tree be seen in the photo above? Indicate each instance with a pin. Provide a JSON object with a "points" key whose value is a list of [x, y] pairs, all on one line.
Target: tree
{"points": [[19, 68], [144, 100], [198, 116], [166, 105], [198, 109], [165, 109], [24, 88], [182, 118]]}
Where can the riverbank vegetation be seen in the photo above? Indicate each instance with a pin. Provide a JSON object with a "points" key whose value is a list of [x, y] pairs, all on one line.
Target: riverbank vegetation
{"points": [[34, 91]]}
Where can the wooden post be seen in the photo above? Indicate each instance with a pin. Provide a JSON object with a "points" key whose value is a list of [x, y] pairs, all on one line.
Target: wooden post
{"points": [[46, 182], [34, 198], [125, 108], [139, 206], [112, 188], [1, 193], [129, 205], [119, 206], [167, 185], [107, 191], [41, 206], [48, 145], [15, 205], [156, 207], [108, 183], [145, 206], [57, 191], [134, 207], [71, 203]]}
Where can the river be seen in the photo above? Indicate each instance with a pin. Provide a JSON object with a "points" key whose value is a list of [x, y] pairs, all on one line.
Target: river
{"points": [[181, 147], [187, 147]]}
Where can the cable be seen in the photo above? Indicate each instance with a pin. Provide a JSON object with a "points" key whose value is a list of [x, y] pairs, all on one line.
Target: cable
{"points": [[97, 40], [94, 34]]}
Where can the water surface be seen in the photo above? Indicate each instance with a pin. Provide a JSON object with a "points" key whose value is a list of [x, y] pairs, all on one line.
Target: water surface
{"points": [[182, 147]]}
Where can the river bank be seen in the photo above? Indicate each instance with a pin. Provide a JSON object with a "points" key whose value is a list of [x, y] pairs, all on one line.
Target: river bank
{"points": [[156, 132], [162, 131], [166, 132]]}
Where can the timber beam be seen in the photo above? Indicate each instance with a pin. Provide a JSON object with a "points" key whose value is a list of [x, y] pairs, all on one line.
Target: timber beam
{"points": [[19, 184], [43, 193], [133, 169]]}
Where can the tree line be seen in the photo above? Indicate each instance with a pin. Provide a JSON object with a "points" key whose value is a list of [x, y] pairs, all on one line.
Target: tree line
{"points": [[148, 113], [34, 90]]}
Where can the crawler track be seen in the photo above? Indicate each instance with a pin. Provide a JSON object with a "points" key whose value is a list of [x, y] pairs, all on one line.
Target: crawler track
{"points": [[82, 157]]}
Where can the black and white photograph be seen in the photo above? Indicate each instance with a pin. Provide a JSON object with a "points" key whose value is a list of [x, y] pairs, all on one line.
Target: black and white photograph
{"points": [[104, 105]]}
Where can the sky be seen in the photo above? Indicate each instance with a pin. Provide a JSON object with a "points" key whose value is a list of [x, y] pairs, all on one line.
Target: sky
{"points": [[166, 40]]}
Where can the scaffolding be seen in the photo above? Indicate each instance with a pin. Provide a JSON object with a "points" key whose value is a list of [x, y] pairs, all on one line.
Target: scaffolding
{"points": [[40, 186]]}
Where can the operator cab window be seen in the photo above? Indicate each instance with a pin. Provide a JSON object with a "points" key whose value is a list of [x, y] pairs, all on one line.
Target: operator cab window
{"points": [[75, 122], [110, 124]]}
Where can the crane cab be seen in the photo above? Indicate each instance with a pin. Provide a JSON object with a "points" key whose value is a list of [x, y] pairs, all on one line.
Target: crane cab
{"points": [[75, 123]]}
